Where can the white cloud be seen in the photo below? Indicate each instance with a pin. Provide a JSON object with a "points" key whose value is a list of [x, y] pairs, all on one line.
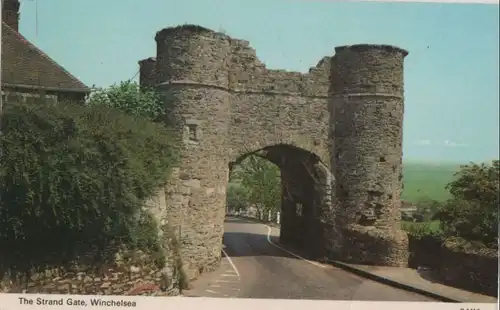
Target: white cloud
{"points": [[423, 142], [449, 143]]}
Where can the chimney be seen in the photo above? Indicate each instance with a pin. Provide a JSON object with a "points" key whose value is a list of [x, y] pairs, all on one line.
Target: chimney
{"points": [[10, 13]]}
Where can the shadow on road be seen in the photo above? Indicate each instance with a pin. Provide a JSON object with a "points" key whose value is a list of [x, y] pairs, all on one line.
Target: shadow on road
{"points": [[240, 244], [238, 220], [247, 244], [428, 275], [244, 220]]}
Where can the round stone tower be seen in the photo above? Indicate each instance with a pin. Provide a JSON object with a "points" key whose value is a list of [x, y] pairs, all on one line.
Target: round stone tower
{"points": [[147, 72], [367, 104], [192, 79]]}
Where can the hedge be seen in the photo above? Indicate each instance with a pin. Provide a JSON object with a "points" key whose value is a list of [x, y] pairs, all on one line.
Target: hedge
{"points": [[73, 181]]}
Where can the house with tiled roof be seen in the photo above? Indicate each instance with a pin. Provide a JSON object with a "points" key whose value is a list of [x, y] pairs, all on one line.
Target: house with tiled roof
{"points": [[27, 72]]}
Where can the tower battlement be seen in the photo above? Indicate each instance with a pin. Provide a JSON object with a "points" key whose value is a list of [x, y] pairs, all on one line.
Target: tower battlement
{"points": [[347, 111]]}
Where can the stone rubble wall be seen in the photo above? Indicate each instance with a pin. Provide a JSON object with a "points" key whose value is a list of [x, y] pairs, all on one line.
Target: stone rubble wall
{"points": [[192, 78], [225, 104], [131, 272], [471, 270], [474, 270], [127, 275]]}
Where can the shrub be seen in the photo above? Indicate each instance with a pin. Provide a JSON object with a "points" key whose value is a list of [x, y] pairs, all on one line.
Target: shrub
{"points": [[426, 209], [129, 97], [472, 212], [472, 220], [73, 180], [422, 229]]}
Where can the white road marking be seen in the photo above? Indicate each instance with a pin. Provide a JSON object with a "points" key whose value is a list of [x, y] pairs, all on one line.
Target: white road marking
{"points": [[231, 262], [226, 274], [224, 281], [269, 230]]}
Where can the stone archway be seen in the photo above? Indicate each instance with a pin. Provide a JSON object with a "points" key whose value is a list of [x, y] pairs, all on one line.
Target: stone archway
{"points": [[222, 101], [306, 191]]}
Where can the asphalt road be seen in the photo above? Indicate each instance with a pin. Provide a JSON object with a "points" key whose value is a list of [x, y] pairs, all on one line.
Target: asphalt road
{"points": [[256, 266]]}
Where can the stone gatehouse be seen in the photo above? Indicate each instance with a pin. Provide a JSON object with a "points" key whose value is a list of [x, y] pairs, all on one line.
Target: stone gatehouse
{"points": [[335, 132]]}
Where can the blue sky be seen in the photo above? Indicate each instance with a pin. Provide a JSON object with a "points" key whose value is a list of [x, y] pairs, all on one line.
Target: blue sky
{"points": [[452, 71]]}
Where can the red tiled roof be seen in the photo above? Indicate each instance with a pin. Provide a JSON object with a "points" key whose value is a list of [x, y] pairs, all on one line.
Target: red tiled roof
{"points": [[25, 65]]}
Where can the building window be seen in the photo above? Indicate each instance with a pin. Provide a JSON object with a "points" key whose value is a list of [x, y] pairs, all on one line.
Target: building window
{"points": [[192, 132], [14, 98], [31, 99], [50, 99]]}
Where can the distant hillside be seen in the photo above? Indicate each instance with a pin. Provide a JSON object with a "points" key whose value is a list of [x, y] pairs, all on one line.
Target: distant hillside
{"points": [[427, 180], [423, 180]]}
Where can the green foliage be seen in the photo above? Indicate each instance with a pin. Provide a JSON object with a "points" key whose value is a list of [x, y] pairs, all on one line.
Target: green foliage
{"points": [[262, 180], [130, 98], [477, 182], [472, 212], [73, 180], [237, 197], [143, 234], [427, 209], [422, 229]]}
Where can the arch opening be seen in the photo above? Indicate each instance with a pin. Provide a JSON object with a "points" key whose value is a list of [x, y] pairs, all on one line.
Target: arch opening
{"points": [[304, 204]]}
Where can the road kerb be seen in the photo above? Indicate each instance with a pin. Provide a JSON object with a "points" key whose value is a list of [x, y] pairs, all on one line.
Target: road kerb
{"points": [[395, 284]]}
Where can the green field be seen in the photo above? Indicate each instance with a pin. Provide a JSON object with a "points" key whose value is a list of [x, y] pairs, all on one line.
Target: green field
{"points": [[426, 180], [422, 227]]}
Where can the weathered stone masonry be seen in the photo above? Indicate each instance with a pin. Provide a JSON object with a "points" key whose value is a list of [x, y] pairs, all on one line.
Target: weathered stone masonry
{"points": [[335, 132]]}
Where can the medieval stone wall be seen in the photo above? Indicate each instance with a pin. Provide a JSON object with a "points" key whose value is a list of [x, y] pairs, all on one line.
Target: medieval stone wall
{"points": [[347, 111], [367, 99], [465, 266], [129, 273], [147, 72], [192, 77], [132, 273], [272, 107]]}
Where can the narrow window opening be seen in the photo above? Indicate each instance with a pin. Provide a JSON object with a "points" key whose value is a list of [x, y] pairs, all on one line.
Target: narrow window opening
{"points": [[192, 135]]}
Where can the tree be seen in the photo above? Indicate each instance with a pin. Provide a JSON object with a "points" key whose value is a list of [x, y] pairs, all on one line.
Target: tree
{"points": [[262, 180], [472, 212], [477, 182], [130, 98], [426, 209], [237, 197]]}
